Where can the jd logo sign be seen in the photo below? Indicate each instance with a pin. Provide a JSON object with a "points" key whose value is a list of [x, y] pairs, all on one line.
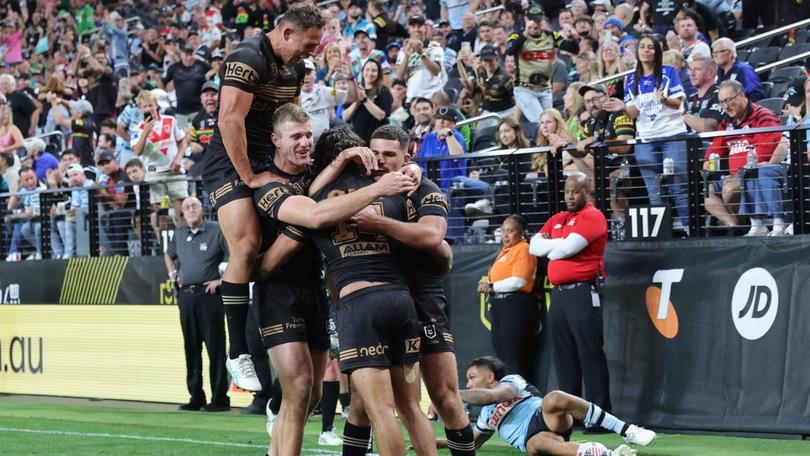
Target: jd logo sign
{"points": [[755, 303], [659, 307]]}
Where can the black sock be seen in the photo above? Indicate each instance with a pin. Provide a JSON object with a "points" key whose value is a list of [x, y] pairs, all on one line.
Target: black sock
{"points": [[345, 399], [235, 297], [355, 439], [460, 442], [329, 400], [275, 399]]}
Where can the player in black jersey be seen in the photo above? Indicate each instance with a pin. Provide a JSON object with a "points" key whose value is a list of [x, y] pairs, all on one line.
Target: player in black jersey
{"points": [[289, 307], [258, 77], [425, 266]]}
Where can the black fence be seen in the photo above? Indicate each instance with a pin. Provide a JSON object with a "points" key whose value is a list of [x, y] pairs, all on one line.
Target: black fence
{"points": [[647, 189], [42, 223]]}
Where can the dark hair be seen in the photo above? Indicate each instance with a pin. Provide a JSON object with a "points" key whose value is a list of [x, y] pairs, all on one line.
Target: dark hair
{"points": [[377, 86], [330, 144], [417, 100], [108, 136], [109, 122], [692, 14], [393, 133], [520, 220], [486, 23], [304, 16], [71, 152], [584, 19], [25, 169], [492, 363], [8, 158], [658, 69], [134, 162]]}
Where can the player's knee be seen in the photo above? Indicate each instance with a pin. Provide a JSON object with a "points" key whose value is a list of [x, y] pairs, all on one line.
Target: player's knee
{"points": [[555, 400]]}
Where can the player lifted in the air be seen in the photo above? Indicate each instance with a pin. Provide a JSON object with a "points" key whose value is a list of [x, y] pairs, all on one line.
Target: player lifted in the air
{"points": [[534, 424]]}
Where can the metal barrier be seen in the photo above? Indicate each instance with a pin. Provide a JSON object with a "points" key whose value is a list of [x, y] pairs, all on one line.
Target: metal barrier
{"points": [[728, 196], [740, 44], [55, 133], [44, 225]]}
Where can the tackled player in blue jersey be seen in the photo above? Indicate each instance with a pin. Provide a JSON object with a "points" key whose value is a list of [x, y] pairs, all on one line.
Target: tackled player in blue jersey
{"points": [[534, 424]]}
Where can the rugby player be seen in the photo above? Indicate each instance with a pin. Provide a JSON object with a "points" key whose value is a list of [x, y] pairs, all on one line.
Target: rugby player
{"points": [[290, 307], [376, 318], [534, 424], [259, 76], [425, 237]]}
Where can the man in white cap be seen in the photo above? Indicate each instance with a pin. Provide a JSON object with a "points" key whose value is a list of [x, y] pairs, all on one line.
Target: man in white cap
{"points": [[318, 101]]}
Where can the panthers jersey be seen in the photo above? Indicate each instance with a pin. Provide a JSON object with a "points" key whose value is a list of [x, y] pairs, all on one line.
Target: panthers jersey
{"points": [[353, 255], [534, 57], [511, 419], [304, 267], [422, 274], [253, 67]]}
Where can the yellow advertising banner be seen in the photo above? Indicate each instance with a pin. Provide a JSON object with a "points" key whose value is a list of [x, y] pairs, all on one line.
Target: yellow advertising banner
{"points": [[125, 352]]}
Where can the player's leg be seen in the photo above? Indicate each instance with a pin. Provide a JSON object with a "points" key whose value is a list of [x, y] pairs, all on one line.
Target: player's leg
{"points": [[559, 409], [294, 370], [319, 359], [373, 385], [357, 430], [549, 443], [240, 227], [331, 390], [439, 371], [405, 381]]}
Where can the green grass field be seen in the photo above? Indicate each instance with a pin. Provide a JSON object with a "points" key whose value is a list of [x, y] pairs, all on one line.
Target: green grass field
{"points": [[43, 425]]}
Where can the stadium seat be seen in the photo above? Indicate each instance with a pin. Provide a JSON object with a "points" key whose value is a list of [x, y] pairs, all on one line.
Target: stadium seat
{"points": [[775, 104], [742, 54], [767, 87], [803, 36], [796, 49], [763, 56], [783, 77], [484, 137], [529, 129]]}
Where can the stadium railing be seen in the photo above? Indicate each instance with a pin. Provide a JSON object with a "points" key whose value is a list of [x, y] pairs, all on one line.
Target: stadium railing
{"points": [[103, 228], [491, 185]]}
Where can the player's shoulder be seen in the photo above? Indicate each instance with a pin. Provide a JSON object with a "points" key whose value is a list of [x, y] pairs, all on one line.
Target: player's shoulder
{"points": [[247, 63], [516, 381]]}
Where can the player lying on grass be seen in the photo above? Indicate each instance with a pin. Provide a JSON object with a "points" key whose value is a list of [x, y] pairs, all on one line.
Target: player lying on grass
{"points": [[538, 425]]}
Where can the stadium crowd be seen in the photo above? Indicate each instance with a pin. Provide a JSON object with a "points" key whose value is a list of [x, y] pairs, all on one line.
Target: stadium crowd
{"points": [[119, 95]]}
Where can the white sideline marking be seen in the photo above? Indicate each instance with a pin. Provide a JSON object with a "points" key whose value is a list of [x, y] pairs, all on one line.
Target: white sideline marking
{"points": [[156, 439]]}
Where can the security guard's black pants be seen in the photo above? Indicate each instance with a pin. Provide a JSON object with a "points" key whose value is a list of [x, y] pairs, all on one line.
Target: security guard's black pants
{"points": [[576, 335], [514, 322], [202, 319]]}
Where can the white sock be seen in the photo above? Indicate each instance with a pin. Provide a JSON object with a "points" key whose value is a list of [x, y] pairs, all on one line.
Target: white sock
{"points": [[756, 222], [778, 224]]}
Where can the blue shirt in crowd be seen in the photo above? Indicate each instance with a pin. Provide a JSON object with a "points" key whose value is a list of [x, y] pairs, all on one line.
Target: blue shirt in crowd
{"points": [[448, 169], [45, 162]]}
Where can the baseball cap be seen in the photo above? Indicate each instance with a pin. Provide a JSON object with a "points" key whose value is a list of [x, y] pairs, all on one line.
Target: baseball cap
{"points": [[103, 158], [446, 112], [356, 3], [794, 95], [162, 98], [488, 53], [187, 48], [217, 54], [342, 77], [614, 21], [74, 167], [597, 87], [210, 85], [369, 31], [416, 19], [393, 44], [535, 12], [83, 106]]}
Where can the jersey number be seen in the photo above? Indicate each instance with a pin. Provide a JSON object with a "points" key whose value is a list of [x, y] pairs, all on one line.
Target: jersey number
{"points": [[343, 233]]}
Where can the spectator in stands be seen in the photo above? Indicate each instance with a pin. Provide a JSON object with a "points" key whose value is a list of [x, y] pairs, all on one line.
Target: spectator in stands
{"points": [[116, 31], [535, 53], [454, 12], [9, 173], [55, 85], [676, 61], [705, 112], [442, 141], [486, 37], [364, 51], [101, 91], [653, 95], [11, 139], [574, 106], [587, 66], [333, 61], [510, 135], [152, 48], [420, 65], [38, 158], [373, 102], [552, 132], [724, 52], [25, 113], [795, 104], [399, 112], [764, 191], [127, 126], [188, 76], [105, 143], [118, 201], [420, 123], [79, 200], [81, 126], [602, 127], [158, 141], [25, 222], [492, 82], [202, 128], [355, 20], [687, 38], [318, 101]]}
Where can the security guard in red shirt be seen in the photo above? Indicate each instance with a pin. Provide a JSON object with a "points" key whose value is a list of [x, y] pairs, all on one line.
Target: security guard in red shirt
{"points": [[574, 242]]}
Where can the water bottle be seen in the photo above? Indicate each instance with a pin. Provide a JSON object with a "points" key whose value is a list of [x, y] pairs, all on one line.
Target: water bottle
{"points": [[164, 202], [751, 158], [669, 166], [714, 162]]}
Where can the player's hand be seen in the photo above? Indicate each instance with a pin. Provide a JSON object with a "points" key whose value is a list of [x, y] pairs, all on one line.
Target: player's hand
{"points": [[264, 178], [363, 220], [413, 171], [212, 285], [394, 183], [362, 156]]}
